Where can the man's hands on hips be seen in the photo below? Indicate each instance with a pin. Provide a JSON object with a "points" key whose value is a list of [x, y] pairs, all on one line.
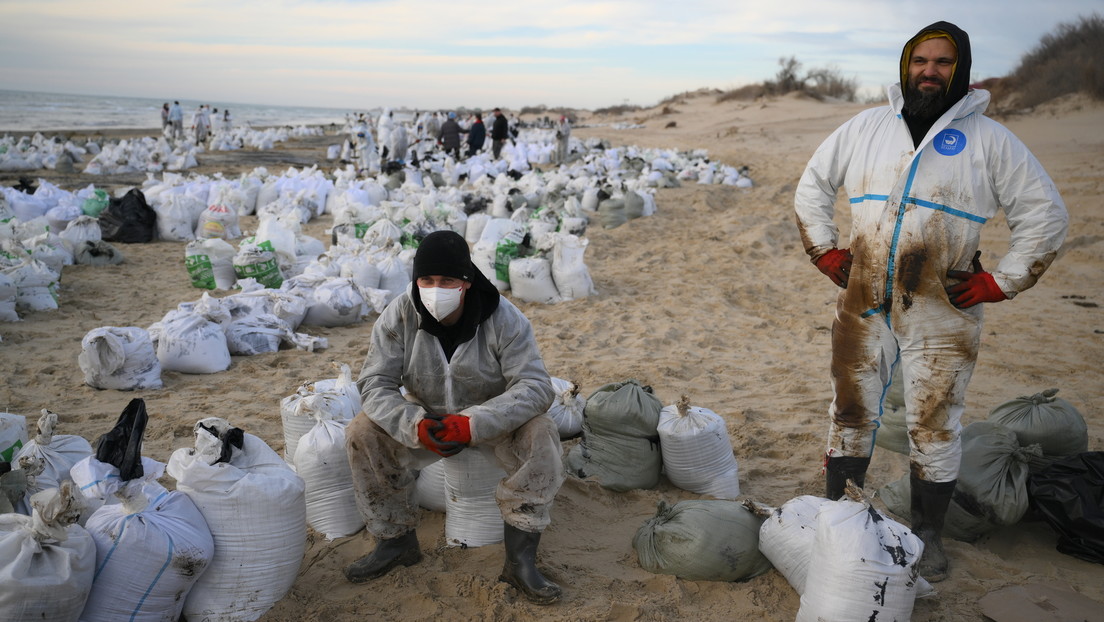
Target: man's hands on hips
{"points": [[973, 287], [836, 264]]}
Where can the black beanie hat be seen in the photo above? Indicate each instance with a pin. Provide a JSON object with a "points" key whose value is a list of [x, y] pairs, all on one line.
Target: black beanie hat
{"points": [[443, 253]]}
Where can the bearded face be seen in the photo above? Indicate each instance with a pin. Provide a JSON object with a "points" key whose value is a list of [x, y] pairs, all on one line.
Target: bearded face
{"points": [[923, 100]]}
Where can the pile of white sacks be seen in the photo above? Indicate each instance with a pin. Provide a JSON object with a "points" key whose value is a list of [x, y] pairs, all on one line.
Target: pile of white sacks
{"points": [[82, 543], [147, 154], [30, 153], [32, 255], [245, 137], [136, 155]]}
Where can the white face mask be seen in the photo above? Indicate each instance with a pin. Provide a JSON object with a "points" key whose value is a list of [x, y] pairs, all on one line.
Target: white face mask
{"points": [[440, 302]]}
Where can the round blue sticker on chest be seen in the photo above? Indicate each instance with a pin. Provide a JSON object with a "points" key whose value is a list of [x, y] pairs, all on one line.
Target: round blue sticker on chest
{"points": [[949, 142]]}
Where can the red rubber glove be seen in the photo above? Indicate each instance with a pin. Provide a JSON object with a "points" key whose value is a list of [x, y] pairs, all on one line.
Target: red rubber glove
{"points": [[455, 429], [428, 428], [836, 264], [977, 286]]}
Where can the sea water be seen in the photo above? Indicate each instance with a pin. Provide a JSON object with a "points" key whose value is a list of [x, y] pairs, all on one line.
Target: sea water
{"points": [[27, 111]]}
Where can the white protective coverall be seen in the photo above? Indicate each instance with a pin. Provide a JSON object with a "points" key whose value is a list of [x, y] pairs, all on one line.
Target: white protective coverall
{"points": [[917, 213], [497, 378]]}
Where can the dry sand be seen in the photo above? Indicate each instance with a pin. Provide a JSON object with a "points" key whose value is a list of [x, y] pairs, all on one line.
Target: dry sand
{"points": [[711, 297]]}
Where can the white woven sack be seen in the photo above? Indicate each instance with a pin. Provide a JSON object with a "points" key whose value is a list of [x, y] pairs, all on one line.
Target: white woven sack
{"points": [[361, 270], [47, 561], [151, 548], [863, 566], [336, 302], [394, 277], [176, 219], [697, 453], [429, 488], [36, 286], [323, 463], [334, 398], [189, 343], [531, 280], [476, 223], [569, 271], [81, 229], [254, 505], [121, 358], [472, 517], [250, 335], [56, 452], [567, 408], [787, 535]]}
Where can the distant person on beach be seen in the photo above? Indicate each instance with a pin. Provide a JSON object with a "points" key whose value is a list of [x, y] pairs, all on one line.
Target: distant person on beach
{"points": [[383, 132], [227, 121], [563, 139], [477, 135], [454, 366], [400, 143], [923, 174], [201, 123], [176, 117], [500, 132], [449, 136], [165, 123]]}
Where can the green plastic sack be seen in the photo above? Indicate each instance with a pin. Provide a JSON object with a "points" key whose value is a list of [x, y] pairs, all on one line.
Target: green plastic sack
{"points": [[702, 540], [96, 203], [1046, 420], [992, 483], [620, 445]]}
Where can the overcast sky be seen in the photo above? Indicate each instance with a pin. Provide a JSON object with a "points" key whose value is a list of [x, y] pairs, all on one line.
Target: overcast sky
{"points": [[361, 54]]}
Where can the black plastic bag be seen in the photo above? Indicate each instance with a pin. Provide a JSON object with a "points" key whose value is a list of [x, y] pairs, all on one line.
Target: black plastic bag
{"points": [[230, 438], [1069, 495], [122, 446], [129, 219]]}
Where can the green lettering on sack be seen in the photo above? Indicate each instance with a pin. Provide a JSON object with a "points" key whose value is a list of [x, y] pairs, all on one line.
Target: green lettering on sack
{"points": [[505, 252], [7, 454], [201, 271], [266, 273]]}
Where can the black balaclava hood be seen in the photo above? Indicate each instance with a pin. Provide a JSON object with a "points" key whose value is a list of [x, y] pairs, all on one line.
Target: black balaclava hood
{"points": [[959, 83], [446, 253]]}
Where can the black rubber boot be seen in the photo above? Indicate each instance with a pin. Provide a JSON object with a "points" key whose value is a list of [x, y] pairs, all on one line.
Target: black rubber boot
{"points": [[840, 469], [389, 553], [930, 501], [521, 571]]}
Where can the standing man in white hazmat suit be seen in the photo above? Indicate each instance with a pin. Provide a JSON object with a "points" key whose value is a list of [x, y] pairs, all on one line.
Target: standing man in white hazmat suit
{"points": [[923, 175], [563, 139], [474, 380]]}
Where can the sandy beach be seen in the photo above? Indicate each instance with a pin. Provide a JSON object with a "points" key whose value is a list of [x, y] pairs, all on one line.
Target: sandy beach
{"points": [[712, 297]]}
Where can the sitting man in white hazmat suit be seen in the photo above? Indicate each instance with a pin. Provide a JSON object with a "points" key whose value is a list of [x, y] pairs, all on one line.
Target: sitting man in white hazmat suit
{"points": [[474, 381], [922, 174]]}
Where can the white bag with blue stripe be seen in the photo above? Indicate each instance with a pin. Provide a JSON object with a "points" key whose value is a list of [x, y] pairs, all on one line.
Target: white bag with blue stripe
{"points": [[152, 544]]}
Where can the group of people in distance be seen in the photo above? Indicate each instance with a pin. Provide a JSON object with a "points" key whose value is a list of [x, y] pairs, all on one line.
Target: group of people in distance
{"points": [[204, 121]]}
